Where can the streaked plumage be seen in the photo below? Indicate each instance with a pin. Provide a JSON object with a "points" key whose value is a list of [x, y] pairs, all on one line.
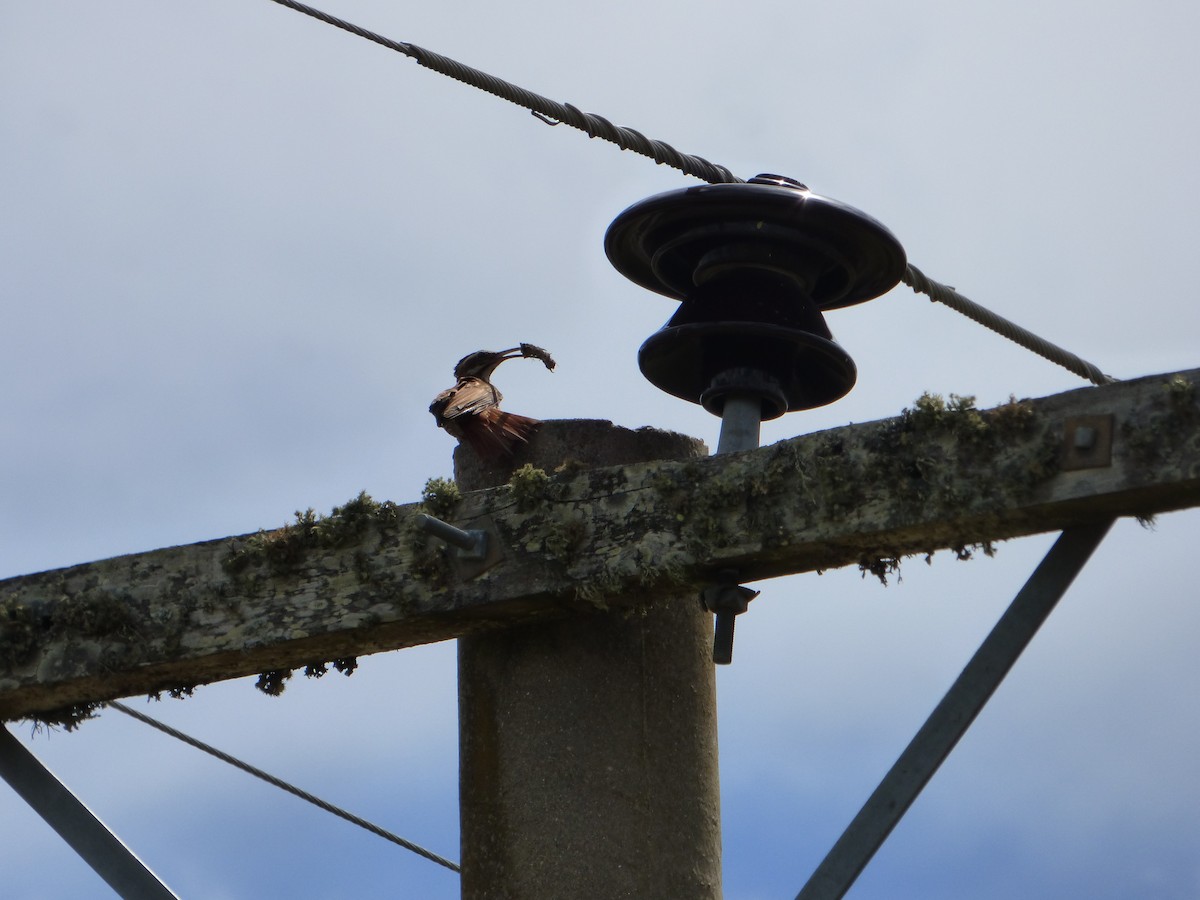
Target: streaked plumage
{"points": [[470, 411]]}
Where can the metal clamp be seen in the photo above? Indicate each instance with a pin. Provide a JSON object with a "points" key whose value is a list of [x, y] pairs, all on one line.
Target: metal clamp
{"points": [[727, 600]]}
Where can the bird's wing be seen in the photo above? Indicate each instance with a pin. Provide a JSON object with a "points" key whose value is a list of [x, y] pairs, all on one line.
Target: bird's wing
{"points": [[470, 396]]}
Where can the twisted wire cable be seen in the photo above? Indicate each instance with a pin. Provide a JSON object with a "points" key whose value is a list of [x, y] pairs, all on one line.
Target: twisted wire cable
{"points": [[283, 785], [594, 126], [942, 293], [548, 110]]}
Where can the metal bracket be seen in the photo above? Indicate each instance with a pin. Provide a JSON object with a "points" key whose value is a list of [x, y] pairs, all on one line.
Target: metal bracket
{"points": [[727, 599], [1087, 442]]}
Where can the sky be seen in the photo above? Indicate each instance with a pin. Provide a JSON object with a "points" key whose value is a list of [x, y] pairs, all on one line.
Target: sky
{"points": [[240, 251]]}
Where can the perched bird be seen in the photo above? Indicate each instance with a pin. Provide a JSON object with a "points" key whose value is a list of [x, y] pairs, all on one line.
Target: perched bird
{"points": [[470, 410]]}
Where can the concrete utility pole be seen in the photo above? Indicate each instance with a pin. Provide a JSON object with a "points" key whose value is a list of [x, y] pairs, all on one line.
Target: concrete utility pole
{"points": [[588, 746]]}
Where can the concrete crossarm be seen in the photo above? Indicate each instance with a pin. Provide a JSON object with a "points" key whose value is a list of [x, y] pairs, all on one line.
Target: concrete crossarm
{"points": [[941, 475]]}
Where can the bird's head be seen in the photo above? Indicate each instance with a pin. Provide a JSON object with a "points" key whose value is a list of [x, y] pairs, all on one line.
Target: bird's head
{"points": [[482, 363]]}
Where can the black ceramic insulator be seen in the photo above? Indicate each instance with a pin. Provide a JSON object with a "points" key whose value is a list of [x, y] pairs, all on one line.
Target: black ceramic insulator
{"points": [[754, 265]]}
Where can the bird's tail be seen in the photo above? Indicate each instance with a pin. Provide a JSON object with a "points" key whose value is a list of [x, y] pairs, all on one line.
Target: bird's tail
{"points": [[496, 434]]}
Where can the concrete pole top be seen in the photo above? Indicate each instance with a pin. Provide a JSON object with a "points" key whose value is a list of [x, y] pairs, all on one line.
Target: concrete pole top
{"points": [[589, 443]]}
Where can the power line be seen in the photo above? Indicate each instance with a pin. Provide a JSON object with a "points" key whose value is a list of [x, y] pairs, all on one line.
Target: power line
{"points": [[943, 293], [283, 785], [552, 112], [548, 110]]}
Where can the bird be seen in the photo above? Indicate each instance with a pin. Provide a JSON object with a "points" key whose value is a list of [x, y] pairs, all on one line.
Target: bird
{"points": [[470, 411]]}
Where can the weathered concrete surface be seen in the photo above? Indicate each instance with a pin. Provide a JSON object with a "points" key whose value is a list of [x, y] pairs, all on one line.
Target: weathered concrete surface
{"points": [[588, 745], [356, 584]]}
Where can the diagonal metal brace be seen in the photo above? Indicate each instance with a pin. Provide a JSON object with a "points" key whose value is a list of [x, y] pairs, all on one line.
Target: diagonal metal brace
{"points": [[958, 709], [78, 825]]}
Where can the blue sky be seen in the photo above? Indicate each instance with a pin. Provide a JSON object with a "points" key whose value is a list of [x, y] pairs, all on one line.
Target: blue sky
{"points": [[240, 251]]}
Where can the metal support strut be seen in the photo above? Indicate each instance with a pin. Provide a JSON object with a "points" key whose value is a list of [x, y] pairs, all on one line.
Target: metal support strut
{"points": [[78, 825], [958, 709]]}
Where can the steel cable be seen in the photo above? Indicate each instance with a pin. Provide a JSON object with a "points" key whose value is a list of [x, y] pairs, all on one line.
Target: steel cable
{"points": [[283, 785], [592, 125], [942, 293]]}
